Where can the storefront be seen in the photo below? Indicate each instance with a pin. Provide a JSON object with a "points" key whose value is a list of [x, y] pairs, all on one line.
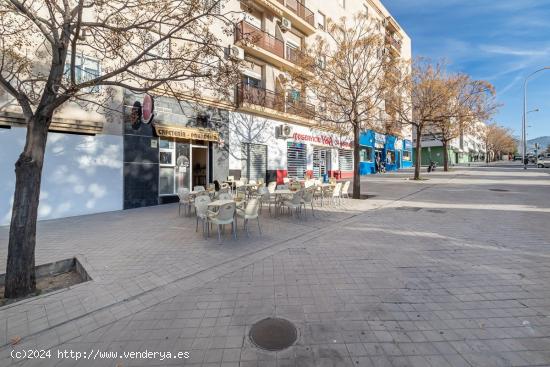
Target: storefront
{"points": [[289, 150], [391, 150], [407, 154], [179, 149]]}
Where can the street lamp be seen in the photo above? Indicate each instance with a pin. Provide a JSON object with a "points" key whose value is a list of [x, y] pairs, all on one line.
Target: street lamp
{"points": [[524, 124]]}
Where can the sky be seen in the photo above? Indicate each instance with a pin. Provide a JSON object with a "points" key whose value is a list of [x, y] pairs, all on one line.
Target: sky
{"points": [[501, 41]]}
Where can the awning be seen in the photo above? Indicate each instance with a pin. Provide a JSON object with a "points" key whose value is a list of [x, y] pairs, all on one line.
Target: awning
{"points": [[191, 133]]}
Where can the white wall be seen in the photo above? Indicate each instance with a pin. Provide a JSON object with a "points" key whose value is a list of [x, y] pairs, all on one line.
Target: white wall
{"points": [[82, 174]]}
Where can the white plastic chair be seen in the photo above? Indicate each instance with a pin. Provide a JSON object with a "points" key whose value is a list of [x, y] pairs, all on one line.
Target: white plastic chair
{"points": [[199, 188], [307, 199], [225, 215], [250, 212], [201, 211], [295, 203], [345, 190], [286, 180], [336, 193], [225, 196], [185, 199], [272, 186]]}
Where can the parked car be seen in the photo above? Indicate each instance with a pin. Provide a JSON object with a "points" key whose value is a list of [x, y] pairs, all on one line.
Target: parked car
{"points": [[543, 163], [518, 157]]}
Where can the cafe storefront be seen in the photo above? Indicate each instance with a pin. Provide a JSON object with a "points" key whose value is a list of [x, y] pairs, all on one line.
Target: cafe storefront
{"points": [[179, 149]]}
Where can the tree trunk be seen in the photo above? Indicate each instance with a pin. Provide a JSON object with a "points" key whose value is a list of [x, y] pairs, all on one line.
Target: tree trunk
{"points": [[20, 277], [356, 163], [418, 153], [445, 156]]}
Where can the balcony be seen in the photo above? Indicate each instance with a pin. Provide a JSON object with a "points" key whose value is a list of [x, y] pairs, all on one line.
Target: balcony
{"points": [[263, 45], [272, 104], [301, 17], [394, 43]]}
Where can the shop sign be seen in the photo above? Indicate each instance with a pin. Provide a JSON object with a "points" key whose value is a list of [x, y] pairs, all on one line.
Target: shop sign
{"points": [[323, 140], [380, 138], [408, 145], [186, 133]]}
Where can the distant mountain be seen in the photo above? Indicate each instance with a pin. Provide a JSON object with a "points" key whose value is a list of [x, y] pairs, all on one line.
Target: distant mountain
{"points": [[544, 142]]}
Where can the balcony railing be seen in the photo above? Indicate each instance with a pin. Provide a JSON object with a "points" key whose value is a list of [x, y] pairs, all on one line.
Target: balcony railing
{"points": [[249, 33], [298, 8], [276, 101], [392, 40]]}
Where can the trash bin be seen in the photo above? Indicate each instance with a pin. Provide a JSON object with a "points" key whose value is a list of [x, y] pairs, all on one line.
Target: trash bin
{"points": [[325, 178]]}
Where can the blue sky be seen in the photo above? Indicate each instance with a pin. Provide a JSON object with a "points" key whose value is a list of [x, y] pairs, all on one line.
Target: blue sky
{"points": [[501, 41]]}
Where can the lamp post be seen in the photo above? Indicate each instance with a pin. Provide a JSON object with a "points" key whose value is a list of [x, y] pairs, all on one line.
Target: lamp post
{"points": [[524, 124]]}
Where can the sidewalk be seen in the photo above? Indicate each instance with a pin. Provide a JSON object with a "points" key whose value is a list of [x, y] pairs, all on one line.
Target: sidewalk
{"points": [[405, 277]]}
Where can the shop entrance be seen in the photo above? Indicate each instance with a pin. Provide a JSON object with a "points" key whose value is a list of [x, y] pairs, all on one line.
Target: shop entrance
{"points": [[378, 159], [321, 162], [199, 165]]}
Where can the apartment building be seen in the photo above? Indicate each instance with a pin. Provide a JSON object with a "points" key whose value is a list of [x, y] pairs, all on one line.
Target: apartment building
{"points": [[289, 144], [102, 162]]}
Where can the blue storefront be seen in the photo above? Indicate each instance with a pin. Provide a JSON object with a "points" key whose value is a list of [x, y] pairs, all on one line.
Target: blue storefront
{"points": [[394, 152]]}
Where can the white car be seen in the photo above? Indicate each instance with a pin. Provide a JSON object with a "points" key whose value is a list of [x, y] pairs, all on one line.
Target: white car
{"points": [[543, 163]]}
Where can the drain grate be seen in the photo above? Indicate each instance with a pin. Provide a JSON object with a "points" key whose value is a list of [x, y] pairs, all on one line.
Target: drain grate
{"points": [[437, 211], [273, 334], [499, 190]]}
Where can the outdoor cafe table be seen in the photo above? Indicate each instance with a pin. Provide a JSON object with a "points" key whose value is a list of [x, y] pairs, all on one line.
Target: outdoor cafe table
{"points": [[218, 203]]}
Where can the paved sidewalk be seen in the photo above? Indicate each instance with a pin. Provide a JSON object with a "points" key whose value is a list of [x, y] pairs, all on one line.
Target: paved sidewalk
{"points": [[449, 271]]}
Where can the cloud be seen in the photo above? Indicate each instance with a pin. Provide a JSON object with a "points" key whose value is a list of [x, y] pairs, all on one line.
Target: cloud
{"points": [[510, 51]]}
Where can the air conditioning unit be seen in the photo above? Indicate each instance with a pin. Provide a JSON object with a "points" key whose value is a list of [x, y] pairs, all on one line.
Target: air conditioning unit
{"points": [[285, 24], [283, 131], [236, 53]]}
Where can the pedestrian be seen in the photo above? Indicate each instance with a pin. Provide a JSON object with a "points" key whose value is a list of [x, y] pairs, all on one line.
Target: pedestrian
{"points": [[377, 163]]}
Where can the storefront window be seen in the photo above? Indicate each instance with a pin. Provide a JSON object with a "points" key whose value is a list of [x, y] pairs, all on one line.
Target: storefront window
{"points": [[166, 181], [365, 153], [390, 157], [345, 159], [406, 155]]}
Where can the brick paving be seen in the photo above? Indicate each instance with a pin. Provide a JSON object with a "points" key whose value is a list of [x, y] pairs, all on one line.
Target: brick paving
{"points": [[444, 272]]}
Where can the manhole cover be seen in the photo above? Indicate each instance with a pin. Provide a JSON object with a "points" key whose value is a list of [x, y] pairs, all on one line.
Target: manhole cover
{"points": [[499, 190], [273, 334], [409, 208]]}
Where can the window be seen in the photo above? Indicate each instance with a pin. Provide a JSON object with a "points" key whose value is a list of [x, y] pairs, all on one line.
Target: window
{"points": [[342, 3], [365, 154], [167, 164], [253, 82], [366, 10], [296, 160], [253, 161], [345, 159], [86, 69], [217, 6], [406, 155], [321, 21]]}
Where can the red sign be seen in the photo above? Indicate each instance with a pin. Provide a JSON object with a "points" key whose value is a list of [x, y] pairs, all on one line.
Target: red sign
{"points": [[147, 109], [322, 139]]}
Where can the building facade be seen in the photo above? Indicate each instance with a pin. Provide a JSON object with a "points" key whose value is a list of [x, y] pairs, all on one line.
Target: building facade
{"points": [[467, 148], [96, 163]]}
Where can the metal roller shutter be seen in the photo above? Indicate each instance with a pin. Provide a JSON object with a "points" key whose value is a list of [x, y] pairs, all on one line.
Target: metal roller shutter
{"points": [[345, 159], [254, 161], [296, 160]]}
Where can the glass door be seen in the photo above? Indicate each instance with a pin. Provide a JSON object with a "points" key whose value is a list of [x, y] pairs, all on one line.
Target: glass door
{"points": [[199, 166]]}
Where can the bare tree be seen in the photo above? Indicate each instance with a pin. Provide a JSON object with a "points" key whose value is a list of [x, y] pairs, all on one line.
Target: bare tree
{"points": [[498, 141], [161, 47], [350, 79], [420, 98], [469, 102]]}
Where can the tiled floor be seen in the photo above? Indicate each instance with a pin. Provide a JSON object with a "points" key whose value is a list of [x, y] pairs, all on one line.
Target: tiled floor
{"points": [[444, 272]]}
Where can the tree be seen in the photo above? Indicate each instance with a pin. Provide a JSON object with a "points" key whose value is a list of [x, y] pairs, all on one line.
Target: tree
{"points": [[161, 47], [498, 140], [469, 102], [420, 97], [350, 83]]}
